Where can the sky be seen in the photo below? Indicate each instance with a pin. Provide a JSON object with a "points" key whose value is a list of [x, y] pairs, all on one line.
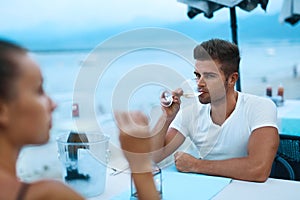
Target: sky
{"points": [[63, 24], [18, 15]]}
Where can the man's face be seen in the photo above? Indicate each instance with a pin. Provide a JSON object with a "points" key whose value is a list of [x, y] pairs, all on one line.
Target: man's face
{"points": [[211, 81]]}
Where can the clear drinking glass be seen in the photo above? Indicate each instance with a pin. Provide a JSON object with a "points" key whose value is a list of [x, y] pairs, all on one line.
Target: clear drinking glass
{"points": [[190, 90]]}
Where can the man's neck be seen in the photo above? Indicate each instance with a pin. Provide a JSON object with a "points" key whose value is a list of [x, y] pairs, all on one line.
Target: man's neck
{"points": [[222, 109]]}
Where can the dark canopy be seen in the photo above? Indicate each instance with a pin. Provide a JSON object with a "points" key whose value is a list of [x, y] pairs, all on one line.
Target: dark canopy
{"points": [[290, 12]]}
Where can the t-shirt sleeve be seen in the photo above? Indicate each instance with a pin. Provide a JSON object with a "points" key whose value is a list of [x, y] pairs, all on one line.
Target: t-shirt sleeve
{"points": [[182, 121], [263, 112]]}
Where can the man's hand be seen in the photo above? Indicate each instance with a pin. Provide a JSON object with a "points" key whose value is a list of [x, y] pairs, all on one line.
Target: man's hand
{"points": [[172, 111], [185, 162]]}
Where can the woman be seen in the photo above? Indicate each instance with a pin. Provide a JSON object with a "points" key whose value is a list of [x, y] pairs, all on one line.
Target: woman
{"points": [[25, 118]]}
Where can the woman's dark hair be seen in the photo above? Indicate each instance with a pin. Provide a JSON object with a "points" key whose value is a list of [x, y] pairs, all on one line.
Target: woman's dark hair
{"points": [[222, 51], [9, 70]]}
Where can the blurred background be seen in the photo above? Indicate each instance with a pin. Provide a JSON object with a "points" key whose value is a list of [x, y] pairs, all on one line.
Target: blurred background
{"points": [[61, 34]]}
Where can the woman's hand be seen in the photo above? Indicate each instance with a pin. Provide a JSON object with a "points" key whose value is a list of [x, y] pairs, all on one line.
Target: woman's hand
{"points": [[135, 140]]}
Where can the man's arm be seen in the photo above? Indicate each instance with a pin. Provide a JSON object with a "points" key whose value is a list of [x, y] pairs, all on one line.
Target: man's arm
{"points": [[166, 140], [262, 148], [171, 141]]}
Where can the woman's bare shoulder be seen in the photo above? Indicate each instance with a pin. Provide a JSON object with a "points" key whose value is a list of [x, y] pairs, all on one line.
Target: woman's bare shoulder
{"points": [[8, 186], [51, 190]]}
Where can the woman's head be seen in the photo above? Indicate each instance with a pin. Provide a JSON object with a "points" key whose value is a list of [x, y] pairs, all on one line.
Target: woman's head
{"points": [[9, 71], [25, 109]]}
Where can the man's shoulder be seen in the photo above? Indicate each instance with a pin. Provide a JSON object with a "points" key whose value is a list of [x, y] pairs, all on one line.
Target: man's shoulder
{"points": [[254, 100]]}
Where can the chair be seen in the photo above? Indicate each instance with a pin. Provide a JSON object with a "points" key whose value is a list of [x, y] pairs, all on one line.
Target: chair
{"points": [[281, 169], [287, 161]]}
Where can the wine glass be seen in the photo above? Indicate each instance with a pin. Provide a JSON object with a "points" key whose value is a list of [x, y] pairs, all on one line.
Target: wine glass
{"points": [[190, 90]]}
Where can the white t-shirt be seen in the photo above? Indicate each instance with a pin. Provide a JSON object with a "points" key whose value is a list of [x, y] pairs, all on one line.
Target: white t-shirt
{"points": [[230, 140]]}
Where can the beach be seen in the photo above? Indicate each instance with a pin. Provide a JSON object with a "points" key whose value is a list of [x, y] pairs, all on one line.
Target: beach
{"points": [[290, 84], [38, 162]]}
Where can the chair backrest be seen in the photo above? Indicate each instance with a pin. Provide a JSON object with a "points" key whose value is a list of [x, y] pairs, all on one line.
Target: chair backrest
{"points": [[289, 148], [287, 161], [282, 169]]}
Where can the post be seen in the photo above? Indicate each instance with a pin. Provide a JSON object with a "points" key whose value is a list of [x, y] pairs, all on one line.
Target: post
{"points": [[233, 24]]}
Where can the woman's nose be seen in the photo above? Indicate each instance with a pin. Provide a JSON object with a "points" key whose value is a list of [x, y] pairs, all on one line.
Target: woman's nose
{"points": [[53, 105]]}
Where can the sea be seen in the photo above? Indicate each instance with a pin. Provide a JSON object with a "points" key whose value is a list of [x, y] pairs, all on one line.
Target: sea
{"points": [[117, 79]]}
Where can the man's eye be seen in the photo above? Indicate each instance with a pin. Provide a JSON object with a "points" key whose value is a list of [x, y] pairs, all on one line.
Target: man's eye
{"points": [[210, 76]]}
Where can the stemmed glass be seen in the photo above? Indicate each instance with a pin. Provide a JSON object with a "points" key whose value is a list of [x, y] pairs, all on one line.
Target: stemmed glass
{"points": [[190, 90]]}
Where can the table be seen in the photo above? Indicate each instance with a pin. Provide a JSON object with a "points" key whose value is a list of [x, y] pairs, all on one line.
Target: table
{"points": [[289, 117], [271, 189], [115, 184], [288, 122]]}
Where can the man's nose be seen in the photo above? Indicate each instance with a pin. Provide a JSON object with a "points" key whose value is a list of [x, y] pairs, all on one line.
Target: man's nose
{"points": [[201, 82]]}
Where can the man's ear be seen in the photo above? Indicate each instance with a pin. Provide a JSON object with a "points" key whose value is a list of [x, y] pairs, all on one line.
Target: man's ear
{"points": [[233, 79], [4, 116]]}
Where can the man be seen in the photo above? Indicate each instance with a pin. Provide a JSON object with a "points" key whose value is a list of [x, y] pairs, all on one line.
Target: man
{"points": [[236, 133]]}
